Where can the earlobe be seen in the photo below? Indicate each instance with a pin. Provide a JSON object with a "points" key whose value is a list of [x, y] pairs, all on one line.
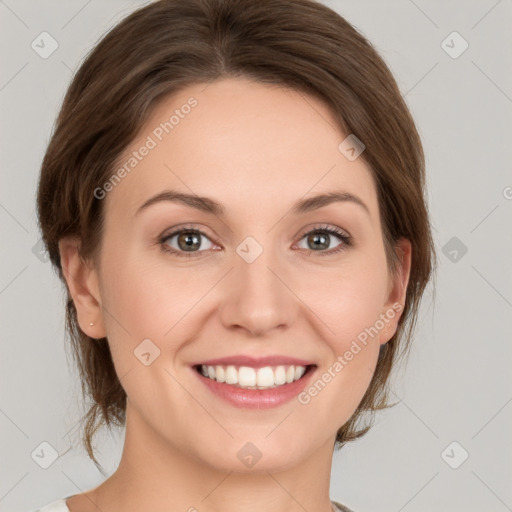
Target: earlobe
{"points": [[398, 290], [82, 282]]}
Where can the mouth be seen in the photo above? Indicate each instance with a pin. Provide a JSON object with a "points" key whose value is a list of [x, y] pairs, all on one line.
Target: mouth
{"points": [[251, 378]]}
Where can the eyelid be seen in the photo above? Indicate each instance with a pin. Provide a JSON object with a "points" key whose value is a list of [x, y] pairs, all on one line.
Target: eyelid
{"points": [[322, 227], [175, 230]]}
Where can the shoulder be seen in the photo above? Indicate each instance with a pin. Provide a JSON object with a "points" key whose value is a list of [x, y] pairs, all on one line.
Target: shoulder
{"points": [[54, 506], [60, 506], [341, 508]]}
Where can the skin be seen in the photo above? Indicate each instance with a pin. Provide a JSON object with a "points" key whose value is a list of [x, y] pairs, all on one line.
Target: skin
{"points": [[256, 149]]}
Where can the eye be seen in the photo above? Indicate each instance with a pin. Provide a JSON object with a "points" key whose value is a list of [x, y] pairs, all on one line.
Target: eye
{"points": [[320, 238], [188, 241], [185, 242]]}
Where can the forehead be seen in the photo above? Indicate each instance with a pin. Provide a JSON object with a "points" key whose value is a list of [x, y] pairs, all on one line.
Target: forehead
{"points": [[242, 142]]}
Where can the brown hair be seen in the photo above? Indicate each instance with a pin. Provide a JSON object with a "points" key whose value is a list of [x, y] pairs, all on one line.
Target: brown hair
{"points": [[169, 44]]}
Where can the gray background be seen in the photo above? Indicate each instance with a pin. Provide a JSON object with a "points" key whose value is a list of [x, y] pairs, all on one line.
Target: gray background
{"points": [[456, 385]]}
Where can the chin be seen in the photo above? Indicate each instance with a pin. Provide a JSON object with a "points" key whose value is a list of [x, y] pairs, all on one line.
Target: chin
{"points": [[256, 454]]}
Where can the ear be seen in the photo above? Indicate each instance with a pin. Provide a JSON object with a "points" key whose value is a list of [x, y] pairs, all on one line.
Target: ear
{"points": [[83, 285], [397, 291]]}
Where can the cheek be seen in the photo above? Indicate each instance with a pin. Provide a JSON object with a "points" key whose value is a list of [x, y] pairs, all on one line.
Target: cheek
{"points": [[348, 307], [346, 300], [147, 299]]}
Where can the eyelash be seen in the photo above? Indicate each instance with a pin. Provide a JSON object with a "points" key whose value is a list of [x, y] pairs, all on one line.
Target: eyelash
{"points": [[341, 235]]}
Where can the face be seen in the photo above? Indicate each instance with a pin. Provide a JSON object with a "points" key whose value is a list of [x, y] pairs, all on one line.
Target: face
{"points": [[260, 277]]}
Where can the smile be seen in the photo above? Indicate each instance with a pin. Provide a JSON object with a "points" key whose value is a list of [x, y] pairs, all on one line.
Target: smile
{"points": [[254, 378], [255, 388]]}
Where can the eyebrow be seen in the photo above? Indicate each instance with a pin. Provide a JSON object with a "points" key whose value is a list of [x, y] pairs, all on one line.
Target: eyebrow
{"points": [[211, 206]]}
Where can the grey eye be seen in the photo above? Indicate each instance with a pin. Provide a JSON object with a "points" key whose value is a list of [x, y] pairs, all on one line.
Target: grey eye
{"points": [[187, 240]]}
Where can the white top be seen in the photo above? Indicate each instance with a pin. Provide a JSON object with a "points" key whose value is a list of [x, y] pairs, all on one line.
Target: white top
{"points": [[60, 506], [55, 506]]}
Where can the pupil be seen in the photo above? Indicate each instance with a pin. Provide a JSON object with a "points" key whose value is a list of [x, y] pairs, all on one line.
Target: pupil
{"points": [[191, 241], [324, 243]]}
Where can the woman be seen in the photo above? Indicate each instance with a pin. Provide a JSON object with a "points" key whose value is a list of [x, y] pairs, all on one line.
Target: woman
{"points": [[234, 197]]}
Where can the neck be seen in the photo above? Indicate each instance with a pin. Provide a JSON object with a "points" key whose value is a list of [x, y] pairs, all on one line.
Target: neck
{"points": [[154, 475]]}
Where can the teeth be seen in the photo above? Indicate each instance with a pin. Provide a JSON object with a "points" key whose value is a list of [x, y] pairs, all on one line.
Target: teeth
{"points": [[246, 376], [220, 374], [299, 372], [279, 376], [265, 377], [252, 378], [231, 375]]}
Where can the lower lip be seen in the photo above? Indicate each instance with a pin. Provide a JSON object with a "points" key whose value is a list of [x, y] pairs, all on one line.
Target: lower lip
{"points": [[257, 398]]}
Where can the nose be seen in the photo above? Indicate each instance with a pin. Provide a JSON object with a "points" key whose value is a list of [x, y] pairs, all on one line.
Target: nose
{"points": [[258, 296]]}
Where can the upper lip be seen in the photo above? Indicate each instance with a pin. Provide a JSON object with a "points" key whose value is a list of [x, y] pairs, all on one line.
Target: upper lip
{"points": [[255, 362]]}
